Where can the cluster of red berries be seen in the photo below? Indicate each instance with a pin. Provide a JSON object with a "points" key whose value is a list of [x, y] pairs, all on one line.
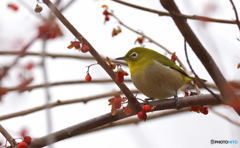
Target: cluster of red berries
{"points": [[26, 141], [106, 13], [120, 73], [49, 30], [116, 103], [25, 76], [79, 46], [199, 109], [142, 115]]}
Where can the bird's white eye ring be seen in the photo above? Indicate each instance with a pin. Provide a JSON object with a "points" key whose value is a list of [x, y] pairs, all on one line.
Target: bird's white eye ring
{"points": [[134, 55]]}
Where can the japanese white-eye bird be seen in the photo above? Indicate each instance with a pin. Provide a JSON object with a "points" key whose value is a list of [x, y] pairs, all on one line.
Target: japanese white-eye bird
{"points": [[153, 74]]}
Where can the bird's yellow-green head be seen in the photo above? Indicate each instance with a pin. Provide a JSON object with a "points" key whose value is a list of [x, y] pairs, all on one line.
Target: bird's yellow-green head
{"points": [[138, 57]]}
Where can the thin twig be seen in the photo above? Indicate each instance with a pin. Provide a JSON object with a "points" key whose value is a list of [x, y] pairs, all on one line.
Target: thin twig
{"points": [[236, 14], [195, 74], [193, 17], [108, 118], [9, 138], [67, 5], [131, 99], [46, 88], [224, 117], [32, 87], [56, 55], [59, 103]]}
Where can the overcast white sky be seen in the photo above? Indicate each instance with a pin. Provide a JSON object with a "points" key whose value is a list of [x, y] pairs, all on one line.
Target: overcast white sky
{"points": [[183, 131]]}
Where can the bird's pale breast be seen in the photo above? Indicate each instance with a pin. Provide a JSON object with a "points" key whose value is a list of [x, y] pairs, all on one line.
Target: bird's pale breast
{"points": [[157, 81]]}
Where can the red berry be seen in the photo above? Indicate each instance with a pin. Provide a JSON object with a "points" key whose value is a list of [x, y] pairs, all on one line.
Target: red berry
{"points": [[27, 139], [203, 110], [14, 7], [146, 108], [174, 57], [29, 66], [76, 44], [85, 48], [22, 145], [140, 40], [194, 108], [142, 115], [88, 78], [105, 12], [107, 18], [120, 75], [117, 102]]}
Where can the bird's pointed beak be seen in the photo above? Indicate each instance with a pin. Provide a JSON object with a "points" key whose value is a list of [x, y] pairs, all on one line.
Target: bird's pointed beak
{"points": [[121, 58]]}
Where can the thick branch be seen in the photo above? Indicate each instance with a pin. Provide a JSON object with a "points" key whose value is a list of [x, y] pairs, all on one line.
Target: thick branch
{"points": [[132, 100], [108, 118], [192, 17], [206, 59]]}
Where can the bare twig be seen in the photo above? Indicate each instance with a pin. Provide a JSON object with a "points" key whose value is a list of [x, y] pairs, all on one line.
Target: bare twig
{"points": [[46, 88], [59, 103], [131, 99], [30, 88], [108, 118], [195, 74], [56, 55], [9, 138], [226, 91], [193, 17], [236, 14], [67, 5], [224, 117]]}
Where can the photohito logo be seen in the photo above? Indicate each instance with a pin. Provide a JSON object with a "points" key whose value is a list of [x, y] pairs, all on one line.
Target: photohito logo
{"points": [[224, 141]]}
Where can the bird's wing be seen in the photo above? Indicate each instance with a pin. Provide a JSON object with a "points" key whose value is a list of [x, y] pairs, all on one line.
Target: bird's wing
{"points": [[169, 63]]}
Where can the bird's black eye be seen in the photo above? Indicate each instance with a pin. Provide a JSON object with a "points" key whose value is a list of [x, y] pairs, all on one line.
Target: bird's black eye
{"points": [[134, 55]]}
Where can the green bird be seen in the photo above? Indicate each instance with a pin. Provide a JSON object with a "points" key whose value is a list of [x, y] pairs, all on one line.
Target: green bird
{"points": [[153, 74]]}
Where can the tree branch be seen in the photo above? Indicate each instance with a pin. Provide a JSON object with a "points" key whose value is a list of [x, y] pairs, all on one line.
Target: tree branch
{"points": [[60, 103], [55, 55], [192, 17], [226, 91], [236, 14], [134, 104], [30, 88], [108, 118], [9, 138]]}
